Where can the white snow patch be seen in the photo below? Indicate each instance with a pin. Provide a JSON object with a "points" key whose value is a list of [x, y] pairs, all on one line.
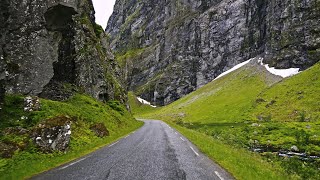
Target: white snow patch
{"points": [[68, 133], [233, 69], [38, 138], [145, 102], [280, 72]]}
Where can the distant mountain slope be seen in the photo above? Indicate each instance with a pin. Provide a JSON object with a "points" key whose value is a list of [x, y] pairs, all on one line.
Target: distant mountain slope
{"points": [[226, 99], [257, 111], [251, 93], [171, 48]]}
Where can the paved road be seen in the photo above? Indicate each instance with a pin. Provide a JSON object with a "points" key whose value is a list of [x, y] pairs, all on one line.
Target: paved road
{"points": [[154, 152]]}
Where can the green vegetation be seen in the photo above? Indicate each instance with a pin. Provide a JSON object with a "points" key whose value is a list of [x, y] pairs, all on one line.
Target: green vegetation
{"points": [[223, 100], [136, 107], [84, 110], [98, 30], [130, 54], [250, 110], [241, 163], [294, 99]]}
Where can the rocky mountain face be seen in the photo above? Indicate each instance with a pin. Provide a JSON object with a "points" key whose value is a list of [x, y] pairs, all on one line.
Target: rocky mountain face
{"points": [[53, 48], [170, 48]]}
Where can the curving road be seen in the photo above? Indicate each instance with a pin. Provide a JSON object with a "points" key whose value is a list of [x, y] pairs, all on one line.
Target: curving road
{"points": [[154, 152]]}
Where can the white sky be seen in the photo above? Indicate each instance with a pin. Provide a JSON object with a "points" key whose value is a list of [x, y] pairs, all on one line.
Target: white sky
{"points": [[103, 9]]}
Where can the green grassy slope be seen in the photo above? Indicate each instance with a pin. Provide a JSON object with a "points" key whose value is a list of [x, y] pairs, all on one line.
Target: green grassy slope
{"points": [[250, 109], [294, 99], [137, 107], [85, 111], [226, 99]]}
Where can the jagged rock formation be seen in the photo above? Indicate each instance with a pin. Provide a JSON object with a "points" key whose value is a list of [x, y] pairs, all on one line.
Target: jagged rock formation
{"points": [[170, 48], [53, 134], [53, 48]]}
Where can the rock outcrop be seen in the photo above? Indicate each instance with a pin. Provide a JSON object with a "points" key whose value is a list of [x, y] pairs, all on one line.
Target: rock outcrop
{"points": [[53, 134], [170, 48], [53, 48], [100, 130]]}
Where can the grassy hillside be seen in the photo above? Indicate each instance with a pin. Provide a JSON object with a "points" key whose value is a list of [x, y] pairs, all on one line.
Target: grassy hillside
{"points": [[224, 100], [294, 99], [250, 109], [84, 110], [138, 108]]}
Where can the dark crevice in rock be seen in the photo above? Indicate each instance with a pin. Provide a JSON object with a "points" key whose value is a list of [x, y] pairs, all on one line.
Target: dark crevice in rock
{"points": [[59, 17], [2, 93], [59, 20], [4, 15]]}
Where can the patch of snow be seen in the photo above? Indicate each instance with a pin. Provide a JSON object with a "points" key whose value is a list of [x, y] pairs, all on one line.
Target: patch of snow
{"points": [[233, 69], [50, 141], [38, 138], [28, 99], [280, 72], [68, 133], [145, 102], [68, 127]]}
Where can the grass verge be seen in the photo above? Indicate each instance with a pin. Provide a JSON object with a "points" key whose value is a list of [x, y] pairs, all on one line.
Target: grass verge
{"points": [[28, 160], [241, 163]]}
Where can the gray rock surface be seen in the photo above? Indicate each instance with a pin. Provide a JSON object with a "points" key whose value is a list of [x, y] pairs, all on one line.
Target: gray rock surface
{"points": [[170, 48], [53, 48], [53, 134]]}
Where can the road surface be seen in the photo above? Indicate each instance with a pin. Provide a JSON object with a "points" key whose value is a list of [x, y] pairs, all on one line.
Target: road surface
{"points": [[154, 152]]}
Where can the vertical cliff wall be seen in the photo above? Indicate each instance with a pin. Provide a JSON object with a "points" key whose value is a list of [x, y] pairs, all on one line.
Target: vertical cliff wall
{"points": [[53, 48], [170, 48]]}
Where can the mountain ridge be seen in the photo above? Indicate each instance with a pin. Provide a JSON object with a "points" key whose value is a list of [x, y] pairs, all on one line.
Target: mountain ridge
{"points": [[175, 47]]}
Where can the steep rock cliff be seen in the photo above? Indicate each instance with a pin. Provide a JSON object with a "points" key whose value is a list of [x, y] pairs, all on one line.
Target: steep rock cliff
{"points": [[170, 48], [53, 48]]}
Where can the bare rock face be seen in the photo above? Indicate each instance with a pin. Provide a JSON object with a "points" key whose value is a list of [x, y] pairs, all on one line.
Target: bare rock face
{"points": [[48, 46], [170, 48], [53, 134]]}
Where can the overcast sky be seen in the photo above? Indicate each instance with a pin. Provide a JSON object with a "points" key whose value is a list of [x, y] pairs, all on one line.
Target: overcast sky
{"points": [[103, 10]]}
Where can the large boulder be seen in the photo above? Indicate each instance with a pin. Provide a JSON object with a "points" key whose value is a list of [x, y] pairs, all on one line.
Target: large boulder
{"points": [[51, 45], [53, 134]]}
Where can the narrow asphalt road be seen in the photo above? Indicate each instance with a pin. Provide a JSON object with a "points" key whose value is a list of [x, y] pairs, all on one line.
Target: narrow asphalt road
{"points": [[154, 152]]}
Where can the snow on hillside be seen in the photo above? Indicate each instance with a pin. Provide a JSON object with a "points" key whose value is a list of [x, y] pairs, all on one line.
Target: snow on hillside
{"points": [[233, 69], [145, 102], [280, 72]]}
